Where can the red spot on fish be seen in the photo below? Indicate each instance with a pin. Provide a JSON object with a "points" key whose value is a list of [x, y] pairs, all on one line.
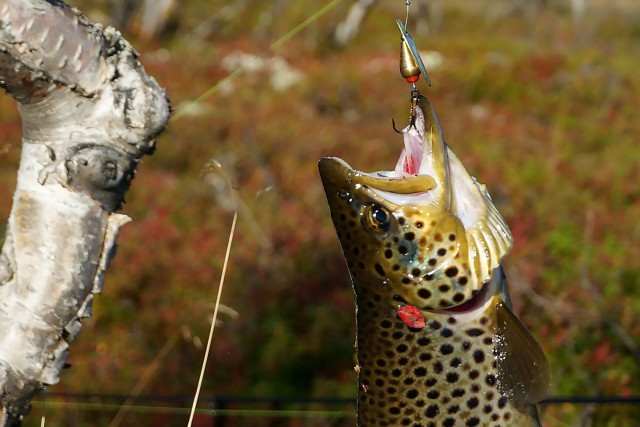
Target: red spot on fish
{"points": [[412, 317], [413, 79]]}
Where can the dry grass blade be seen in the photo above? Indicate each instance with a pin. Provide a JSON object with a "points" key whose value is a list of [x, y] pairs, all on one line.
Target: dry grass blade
{"points": [[213, 321]]}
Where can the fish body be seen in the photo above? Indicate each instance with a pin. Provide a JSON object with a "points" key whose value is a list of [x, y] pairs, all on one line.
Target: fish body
{"points": [[437, 343]]}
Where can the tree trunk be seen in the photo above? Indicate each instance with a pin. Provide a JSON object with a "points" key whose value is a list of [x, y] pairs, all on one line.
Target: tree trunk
{"points": [[89, 113]]}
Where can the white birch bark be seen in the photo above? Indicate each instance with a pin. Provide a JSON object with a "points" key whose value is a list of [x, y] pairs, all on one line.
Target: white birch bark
{"points": [[349, 28], [89, 113]]}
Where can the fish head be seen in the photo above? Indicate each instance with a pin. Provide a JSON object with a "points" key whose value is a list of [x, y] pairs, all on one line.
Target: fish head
{"points": [[425, 234]]}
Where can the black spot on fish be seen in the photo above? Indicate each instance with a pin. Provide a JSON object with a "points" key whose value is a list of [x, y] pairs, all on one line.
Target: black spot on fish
{"points": [[452, 237], [424, 341], [452, 377], [458, 392], [458, 297], [472, 403], [474, 332], [419, 224], [478, 356], [446, 349], [446, 332], [442, 252], [462, 281], [490, 380], [425, 357], [449, 422], [412, 394], [502, 402], [424, 293], [401, 220], [406, 280], [420, 371], [416, 272], [401, 348], [388, 253], [402, 250], [473, 374], [431, 382], [473, 421], [453, 409], [444, 288], [455, 362], [435, 325], [379, 270], [433, 394], [409, 236], [432, 262], [451, 271], [432, 411]]}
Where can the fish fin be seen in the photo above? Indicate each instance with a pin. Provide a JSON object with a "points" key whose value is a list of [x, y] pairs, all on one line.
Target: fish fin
{"points": [[523, 369], [488, 235]]}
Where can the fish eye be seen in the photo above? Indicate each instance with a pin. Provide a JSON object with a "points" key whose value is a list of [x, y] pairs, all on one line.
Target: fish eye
{"points": [[376, 218]]}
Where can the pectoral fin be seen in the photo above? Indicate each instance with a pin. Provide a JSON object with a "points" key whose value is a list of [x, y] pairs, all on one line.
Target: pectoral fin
{"points": [[523, 369]]}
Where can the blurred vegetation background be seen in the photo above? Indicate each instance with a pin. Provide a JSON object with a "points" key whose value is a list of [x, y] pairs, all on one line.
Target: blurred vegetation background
{"points": [[538, 98]]}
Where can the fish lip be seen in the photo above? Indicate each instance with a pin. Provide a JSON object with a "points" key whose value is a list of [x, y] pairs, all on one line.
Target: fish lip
{"points": [[412, 188]]}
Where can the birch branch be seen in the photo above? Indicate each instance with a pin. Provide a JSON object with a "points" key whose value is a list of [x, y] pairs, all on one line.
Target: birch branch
{"points": [[89, 113]]}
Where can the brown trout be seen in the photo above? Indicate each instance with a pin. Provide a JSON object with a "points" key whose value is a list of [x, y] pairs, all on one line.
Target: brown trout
{"points": [[437, 343]]}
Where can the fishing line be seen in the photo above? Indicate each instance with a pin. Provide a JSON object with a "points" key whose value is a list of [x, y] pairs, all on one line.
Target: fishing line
{"points": [[237, 73], [215, 315]]}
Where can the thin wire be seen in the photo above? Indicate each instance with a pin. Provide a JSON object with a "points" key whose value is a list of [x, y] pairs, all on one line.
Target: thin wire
{"points": [[406, 19], [144, 379], [151, 409], [237, 73], [213, 321]]}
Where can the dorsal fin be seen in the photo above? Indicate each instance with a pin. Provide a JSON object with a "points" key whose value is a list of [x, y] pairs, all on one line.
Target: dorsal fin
{"points": [[523, 369]]}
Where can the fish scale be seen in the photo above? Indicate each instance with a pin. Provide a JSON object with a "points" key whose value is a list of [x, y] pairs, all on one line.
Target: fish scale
{"points": [[437, 343]]}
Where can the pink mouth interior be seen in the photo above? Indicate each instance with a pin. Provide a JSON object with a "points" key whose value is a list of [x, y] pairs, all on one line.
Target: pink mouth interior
{"points": [[412, 153]]}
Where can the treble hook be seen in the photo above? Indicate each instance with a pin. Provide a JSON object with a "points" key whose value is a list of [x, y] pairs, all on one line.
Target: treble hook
{"points": [[412, 112]]}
